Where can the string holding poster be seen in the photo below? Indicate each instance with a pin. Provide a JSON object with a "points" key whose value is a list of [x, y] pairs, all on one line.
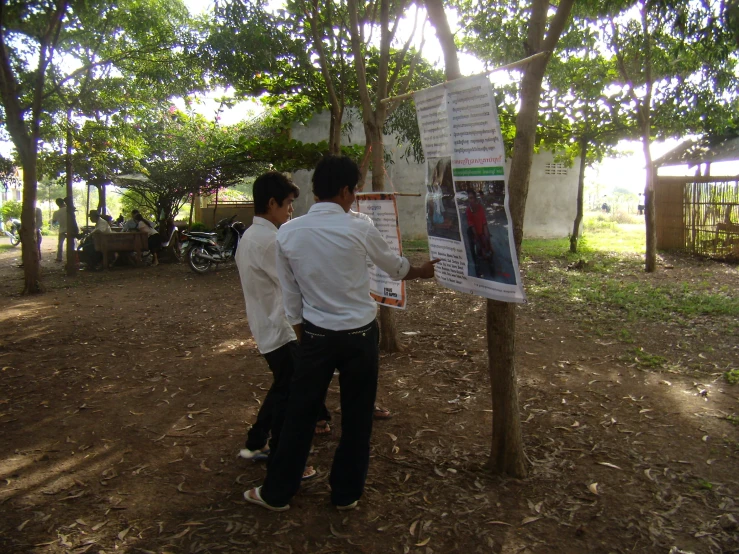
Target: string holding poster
{"points": [[382, 209], [467, 215]]}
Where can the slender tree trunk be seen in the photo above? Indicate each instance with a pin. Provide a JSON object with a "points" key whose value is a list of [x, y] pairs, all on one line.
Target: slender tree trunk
{"points": [[102, 198], [388, 329], [649, 210], [580, 190], [334, 142], [71, 266], [506, 454], [30, 256]]}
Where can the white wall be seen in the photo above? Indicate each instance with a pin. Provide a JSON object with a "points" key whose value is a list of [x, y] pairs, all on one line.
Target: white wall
{"points": [[550, 207]]}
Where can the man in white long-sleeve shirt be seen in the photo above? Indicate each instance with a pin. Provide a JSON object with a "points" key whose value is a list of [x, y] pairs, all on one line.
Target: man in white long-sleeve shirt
{"points": [[274, 194], [321, 263]]}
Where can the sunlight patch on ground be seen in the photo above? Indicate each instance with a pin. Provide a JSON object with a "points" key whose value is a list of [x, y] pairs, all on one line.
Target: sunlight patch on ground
{"points": [[233, 346]]}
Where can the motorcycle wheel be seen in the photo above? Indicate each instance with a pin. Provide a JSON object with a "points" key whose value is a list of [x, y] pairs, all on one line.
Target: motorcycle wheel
{"points": [[15, 239], [196, 263]]}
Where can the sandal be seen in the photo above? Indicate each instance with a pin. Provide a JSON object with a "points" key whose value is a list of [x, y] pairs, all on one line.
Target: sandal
{"points": [[382, 413], [309, 473], [323, 428], [254, 496]]}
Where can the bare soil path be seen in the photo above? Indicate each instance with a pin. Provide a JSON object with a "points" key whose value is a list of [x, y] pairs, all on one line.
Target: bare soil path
{"points": [[125, 396]]}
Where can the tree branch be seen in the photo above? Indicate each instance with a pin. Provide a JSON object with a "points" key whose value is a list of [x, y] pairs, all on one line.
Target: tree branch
{"points": [[359, 59]]}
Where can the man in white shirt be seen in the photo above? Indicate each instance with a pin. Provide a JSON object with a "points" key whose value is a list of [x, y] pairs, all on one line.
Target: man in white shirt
{"points": [[60, 218], [255, 258], [321, 263]]}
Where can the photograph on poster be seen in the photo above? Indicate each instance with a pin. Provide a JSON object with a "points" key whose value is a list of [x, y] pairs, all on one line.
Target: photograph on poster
{"points": [[485, 230], [441, 212]]}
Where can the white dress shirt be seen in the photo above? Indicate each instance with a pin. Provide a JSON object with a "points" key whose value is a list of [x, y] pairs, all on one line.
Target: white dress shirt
{"points": [[255, 258], [321, 262], [102, 226]]}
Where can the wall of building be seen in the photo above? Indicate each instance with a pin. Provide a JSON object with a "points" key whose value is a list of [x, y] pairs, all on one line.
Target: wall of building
{"points": [[550, 208]]}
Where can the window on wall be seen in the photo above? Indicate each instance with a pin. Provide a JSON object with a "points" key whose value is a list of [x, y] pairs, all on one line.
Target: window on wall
{"points": [[555, 169]]}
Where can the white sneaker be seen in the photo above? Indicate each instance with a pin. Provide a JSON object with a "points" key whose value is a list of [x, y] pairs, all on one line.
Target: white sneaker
{"points": [[254, 455]]}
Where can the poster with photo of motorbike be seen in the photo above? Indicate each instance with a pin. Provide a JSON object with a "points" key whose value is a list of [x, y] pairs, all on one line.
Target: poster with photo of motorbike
{"points": [[467, 215]]}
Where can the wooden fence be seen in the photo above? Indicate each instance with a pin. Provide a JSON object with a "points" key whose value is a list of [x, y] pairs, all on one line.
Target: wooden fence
{"points": [[698, 214]]}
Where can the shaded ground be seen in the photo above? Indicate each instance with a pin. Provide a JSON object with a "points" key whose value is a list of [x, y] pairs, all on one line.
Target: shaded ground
{"points": [[125, 395]]}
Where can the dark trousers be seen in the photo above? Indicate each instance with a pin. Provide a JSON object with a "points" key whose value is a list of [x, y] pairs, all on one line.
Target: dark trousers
{"points": [[355, 354], [272, 413]]}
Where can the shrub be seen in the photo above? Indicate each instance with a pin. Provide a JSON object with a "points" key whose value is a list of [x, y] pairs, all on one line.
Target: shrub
{"points": [[11, 208], [198, 227]]}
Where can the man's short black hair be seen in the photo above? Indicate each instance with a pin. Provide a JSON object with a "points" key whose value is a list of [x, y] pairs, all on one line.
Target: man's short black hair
{"points": [[332, 174], [60, 202], [272, 184]]}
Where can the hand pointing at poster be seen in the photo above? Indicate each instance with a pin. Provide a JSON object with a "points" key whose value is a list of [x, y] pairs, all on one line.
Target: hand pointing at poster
{"points": [[424, 271]]}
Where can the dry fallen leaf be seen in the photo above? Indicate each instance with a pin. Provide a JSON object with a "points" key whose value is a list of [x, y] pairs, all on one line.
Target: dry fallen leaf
{"points": [[413, 527], [424, 542], [593, 487], [122, 534], [607, 464], [338, 534], [99, 525], [529, 520], [22, 525]]}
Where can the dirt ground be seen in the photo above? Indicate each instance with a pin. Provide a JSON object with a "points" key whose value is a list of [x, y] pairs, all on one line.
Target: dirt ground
{"points": [[125, 397]]}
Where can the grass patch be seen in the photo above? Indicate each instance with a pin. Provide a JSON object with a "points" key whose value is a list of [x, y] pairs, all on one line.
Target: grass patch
{"points": [[6, 247], [705, 485], [645, 359], [415, 245], [732, 376], [613, 280]]}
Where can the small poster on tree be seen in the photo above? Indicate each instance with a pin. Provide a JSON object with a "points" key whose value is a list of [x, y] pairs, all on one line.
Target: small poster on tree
{"points": [[467, 215], [382, 209]]}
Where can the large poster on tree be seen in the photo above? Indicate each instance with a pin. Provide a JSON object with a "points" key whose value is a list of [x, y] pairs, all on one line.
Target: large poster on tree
{"points": [[467, 215]]}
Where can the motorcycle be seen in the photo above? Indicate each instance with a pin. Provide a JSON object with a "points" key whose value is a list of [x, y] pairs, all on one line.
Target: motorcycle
{"points": [[14, 234], [202, 250]]}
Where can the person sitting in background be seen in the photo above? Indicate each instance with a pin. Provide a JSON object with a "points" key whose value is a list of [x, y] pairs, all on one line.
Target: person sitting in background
{"points": [[90, 256], [131, 224], [120, 219], [155, 239]]}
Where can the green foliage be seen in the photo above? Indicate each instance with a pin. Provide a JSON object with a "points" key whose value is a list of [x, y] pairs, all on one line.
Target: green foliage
{"points": [[197, 226], [732, 376], [10, 209]]}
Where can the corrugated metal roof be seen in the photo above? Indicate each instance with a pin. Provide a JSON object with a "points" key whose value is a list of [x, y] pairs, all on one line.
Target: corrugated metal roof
{"points": [[693, 152]]}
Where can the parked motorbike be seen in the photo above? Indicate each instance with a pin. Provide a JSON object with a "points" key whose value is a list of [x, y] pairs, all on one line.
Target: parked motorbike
{"points": [[203, 250], [14, 233]]}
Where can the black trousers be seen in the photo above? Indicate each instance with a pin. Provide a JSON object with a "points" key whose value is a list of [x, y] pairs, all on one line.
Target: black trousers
{"points": [[272, 412], [355, 354]]}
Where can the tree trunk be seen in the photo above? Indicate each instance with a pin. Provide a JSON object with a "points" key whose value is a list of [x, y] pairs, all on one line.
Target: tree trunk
{"points": [[580, 190], [30, 256], [334, 141], [650, 264], [72, 230], [388, 329], [506, 451], [506, 454], [102, 198]]}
